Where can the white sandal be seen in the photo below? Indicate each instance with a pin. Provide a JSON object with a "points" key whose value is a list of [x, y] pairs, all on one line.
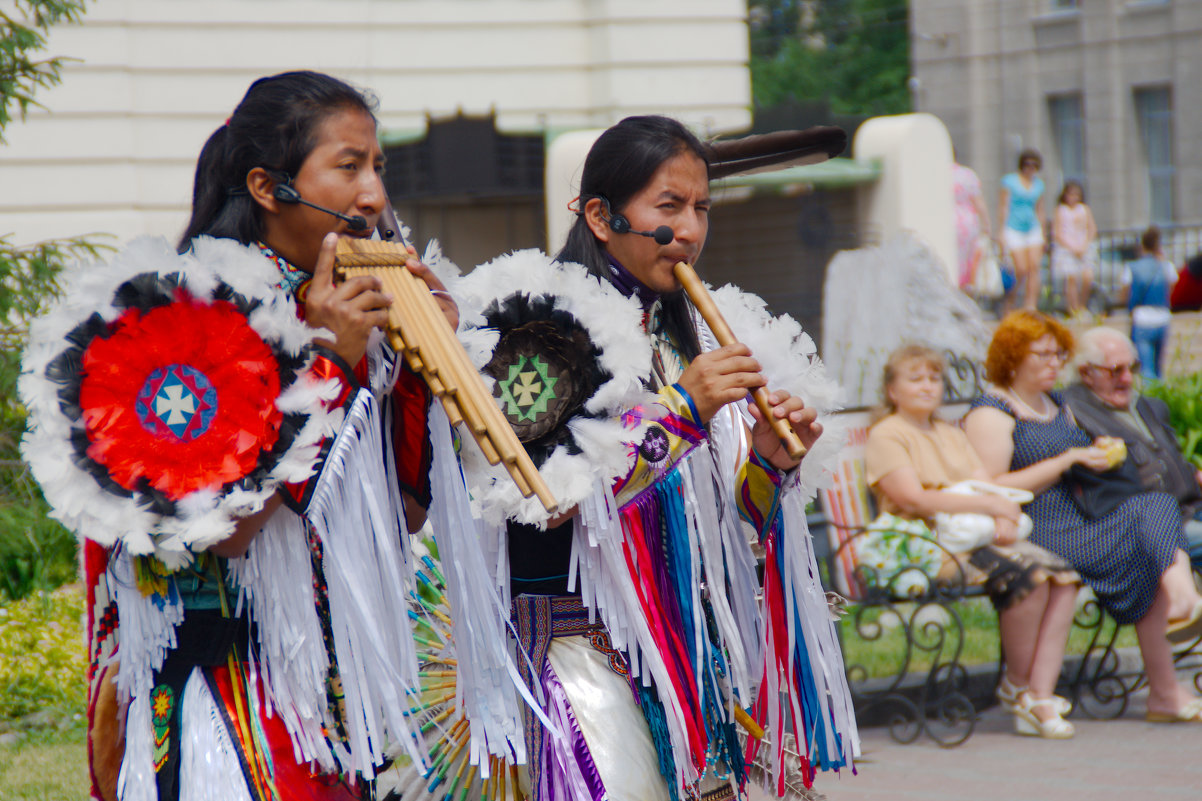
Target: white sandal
{"points": [[1008, 694], [1028, 724]]}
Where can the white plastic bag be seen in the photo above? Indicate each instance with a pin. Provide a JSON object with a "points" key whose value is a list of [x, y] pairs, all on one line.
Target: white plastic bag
{"points": [[962, 532], [987, 274]]}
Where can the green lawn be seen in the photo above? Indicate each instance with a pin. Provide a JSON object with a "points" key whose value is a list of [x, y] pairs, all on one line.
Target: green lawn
{"points": [[46, 766], [881, 650]]}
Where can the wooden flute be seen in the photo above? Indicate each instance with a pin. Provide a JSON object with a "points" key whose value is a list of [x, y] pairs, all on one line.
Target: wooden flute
{"points": [[700, 296]]}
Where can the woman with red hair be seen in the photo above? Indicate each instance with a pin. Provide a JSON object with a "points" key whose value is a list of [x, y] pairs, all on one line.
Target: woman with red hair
{"points": [[1133, 557]]}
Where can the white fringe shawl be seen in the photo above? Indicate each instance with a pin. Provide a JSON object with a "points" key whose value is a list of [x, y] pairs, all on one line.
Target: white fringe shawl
{"points": [[369, 572], [717, 534], [147, 633], [275, 581], [818, 633], [599, 565], [204, 517], [488, 684], [356, 513], [789, 361], [209, 767]]}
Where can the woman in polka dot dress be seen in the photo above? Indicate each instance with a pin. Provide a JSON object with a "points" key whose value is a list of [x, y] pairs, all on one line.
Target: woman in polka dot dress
{"points": [[1134, 558]]}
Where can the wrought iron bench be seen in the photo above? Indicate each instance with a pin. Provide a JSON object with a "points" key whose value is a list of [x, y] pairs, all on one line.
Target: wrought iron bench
{"points": [[925, 688], [928, 689]]}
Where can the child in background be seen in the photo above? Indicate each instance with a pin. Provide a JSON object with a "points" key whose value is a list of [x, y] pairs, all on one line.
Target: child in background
{"points": [[1074, 235], [1148, 281]]}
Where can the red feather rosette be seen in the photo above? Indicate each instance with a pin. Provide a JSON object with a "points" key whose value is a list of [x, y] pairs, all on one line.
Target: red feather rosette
{"points": [[167, 396], [182, 412]]}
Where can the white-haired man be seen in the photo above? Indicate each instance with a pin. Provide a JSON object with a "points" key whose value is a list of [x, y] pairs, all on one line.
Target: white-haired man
{"points": [[1106, 403]]}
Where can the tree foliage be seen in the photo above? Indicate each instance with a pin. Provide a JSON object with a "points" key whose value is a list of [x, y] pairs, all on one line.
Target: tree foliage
{"points": [[28, 280], [852, 54], [34, 552], [27, 274], [22, 34]]}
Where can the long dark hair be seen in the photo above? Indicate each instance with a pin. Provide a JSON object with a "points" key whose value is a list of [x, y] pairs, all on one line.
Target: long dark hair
{"points": [[618, 166], [274, 127]]}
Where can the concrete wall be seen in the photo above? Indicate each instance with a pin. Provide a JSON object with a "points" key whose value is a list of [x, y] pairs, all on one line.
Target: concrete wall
{"points": [[988, 67], [915, 191], [115, 148]]}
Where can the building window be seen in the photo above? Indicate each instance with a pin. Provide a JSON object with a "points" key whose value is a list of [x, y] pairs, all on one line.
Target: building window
{"points": [[1154, 115], [1068, 128]]}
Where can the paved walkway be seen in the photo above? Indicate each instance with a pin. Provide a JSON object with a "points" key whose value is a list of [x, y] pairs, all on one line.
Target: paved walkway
{"points": [[1125, 759]]}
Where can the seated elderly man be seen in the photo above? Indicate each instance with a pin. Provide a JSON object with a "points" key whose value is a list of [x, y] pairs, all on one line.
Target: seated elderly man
{"points": [[1106, 403]]}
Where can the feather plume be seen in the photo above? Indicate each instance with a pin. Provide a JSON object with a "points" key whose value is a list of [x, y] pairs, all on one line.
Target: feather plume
{"points": [[774, 151]]}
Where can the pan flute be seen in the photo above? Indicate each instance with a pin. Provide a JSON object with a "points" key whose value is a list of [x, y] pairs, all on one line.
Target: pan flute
{"points": [[418, 330]]}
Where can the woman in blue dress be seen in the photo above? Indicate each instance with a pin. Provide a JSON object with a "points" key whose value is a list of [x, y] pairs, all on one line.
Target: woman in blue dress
{"points": [[1021, 225], [1134, 558]]}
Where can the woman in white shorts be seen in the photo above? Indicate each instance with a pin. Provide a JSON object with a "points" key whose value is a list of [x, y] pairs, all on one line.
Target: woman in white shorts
{"points": [[1021, 225]]}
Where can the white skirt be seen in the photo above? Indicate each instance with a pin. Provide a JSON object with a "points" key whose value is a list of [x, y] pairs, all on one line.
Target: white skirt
{"points": [[612, 723], [1065, 264]]}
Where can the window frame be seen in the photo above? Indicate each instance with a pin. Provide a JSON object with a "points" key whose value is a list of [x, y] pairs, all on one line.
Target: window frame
{"points": [[1066, 128], [1154, 122]]}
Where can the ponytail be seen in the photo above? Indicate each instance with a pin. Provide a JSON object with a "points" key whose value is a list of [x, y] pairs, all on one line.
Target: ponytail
{"points": [[218, 208]]}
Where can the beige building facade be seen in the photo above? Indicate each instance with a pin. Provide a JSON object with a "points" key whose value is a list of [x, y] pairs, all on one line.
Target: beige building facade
{"points": [[1109, 91], [113, 148]]}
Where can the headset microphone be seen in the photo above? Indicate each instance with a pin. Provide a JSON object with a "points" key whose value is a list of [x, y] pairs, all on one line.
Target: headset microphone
{"points": [[288, 194], [663, 235]]}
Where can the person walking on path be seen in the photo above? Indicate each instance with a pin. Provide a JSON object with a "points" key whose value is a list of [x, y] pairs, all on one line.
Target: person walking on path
{"points": [[1020, 226], [972, 221]]}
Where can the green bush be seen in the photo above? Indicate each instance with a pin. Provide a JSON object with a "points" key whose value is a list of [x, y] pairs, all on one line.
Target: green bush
{"points": [[1183, 395], [43, 660], [36, 553]]}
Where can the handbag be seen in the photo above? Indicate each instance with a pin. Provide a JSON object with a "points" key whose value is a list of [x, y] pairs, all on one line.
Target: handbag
{"points": [[1009, 279], [987, 276], [1098, 494], [961, 532]]}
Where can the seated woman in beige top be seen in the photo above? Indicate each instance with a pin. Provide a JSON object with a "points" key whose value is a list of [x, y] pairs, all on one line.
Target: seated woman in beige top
{"points": [[911, 457]]}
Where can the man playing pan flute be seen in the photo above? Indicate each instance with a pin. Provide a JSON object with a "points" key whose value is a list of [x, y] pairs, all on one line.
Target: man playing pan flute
{"points": [[636, 609]]}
